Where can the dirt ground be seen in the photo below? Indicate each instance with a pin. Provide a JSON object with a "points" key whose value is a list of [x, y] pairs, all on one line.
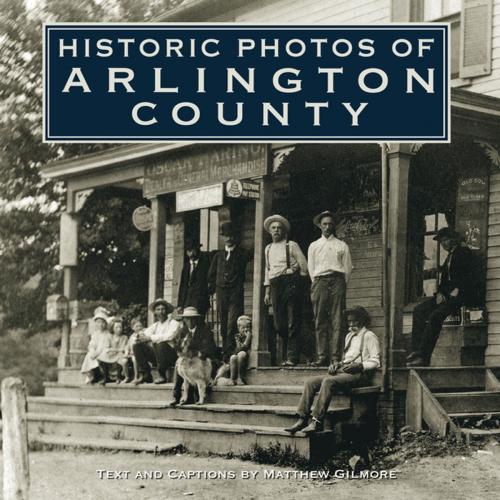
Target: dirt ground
{"points": [[74, 475]]}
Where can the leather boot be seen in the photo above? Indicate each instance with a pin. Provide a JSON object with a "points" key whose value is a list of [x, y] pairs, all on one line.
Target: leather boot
{"points": [[297, 426], [314, 426]]}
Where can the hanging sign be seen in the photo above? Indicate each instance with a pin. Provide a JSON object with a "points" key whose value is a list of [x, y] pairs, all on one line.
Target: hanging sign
{"points": [[142, 218]]}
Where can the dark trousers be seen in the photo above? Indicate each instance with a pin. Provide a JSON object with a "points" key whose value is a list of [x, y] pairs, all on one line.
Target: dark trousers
{"points": [[161, 355], [328, 300], [327, 386], [428, 318], [230, 307], [286, 299]]}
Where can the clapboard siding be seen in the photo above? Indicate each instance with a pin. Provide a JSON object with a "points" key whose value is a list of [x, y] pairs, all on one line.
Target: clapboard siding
{"points": [[312, 11], [490, 84], [493, 271]]}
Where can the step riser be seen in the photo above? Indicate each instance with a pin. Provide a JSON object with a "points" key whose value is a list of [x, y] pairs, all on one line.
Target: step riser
{"points": [[194, 440], [461, 403], [235, 417], [224, 397]]}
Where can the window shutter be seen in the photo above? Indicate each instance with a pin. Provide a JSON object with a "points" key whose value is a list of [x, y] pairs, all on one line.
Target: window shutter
{"points": [[476, 33]]}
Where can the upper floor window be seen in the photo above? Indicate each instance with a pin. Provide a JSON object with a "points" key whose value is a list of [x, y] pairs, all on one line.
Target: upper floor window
{"points": [[438, 9]]}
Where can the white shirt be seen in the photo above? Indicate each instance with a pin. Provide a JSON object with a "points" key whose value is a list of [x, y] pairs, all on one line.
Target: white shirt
{"points": [[275, 254], [370, 357], [167, 331], [328, 255]]}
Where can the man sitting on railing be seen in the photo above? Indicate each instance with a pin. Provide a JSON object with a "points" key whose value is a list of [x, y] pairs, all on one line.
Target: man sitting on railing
{"points": [[361, 356]]}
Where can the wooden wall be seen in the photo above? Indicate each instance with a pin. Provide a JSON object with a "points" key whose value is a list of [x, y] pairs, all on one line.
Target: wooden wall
{"points": [[493, 274], [365, 286], [312, 11]]}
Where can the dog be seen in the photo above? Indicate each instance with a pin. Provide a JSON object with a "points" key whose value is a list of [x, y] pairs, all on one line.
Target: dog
{"points": [[195, 371]]}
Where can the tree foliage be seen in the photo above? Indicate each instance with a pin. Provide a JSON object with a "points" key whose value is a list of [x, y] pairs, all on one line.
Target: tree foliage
{"points": [[30, 205]]}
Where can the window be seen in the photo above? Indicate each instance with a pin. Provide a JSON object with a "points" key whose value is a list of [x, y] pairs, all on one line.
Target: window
{"points": [[433, 255], [471, 24]]}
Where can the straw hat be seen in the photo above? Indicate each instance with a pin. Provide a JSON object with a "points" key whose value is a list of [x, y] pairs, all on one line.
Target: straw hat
{"points": [[190, 312], [161, 302], [276, 218], [319, 217]]}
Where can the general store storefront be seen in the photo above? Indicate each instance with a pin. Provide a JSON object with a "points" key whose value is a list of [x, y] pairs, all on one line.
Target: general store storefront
{"points": [[191, 189]]}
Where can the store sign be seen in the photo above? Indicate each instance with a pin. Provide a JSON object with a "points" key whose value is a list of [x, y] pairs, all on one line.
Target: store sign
{"points": [[194, 199], [142, 218], [247, 190], [201, 166]]}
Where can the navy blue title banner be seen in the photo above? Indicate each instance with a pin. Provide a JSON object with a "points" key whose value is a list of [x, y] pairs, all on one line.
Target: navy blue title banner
{"points": [[235, 83]]}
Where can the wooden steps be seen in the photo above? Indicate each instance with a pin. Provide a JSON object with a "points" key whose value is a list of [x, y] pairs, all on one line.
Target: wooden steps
{"points": [[106, 444], [447, 412], [279, 416], [233, 420]]}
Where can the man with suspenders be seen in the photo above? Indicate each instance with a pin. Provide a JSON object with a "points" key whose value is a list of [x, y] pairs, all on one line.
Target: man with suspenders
{"points": [[285, 268], [361, 356]]}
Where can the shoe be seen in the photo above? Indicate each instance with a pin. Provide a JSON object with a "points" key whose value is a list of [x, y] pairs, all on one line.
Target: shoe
{"points": [[314, 426], [288, 363], [160, 380], [319, 362], [413, 355], [297, 426], [417, 362], [240, 381], [173, 403], [102, 382], [138, 380]]}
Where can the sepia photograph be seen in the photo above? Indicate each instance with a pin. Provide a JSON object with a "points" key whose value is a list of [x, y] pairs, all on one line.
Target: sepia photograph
{"points": [[194, 305]]}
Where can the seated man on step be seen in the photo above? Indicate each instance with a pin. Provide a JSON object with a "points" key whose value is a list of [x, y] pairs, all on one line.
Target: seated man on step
{"points": [[361, 356]]}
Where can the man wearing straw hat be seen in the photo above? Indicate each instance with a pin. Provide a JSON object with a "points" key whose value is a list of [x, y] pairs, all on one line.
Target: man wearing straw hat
{"points": [[156, 346], [329, 264], [285, 265], [197, 337]]}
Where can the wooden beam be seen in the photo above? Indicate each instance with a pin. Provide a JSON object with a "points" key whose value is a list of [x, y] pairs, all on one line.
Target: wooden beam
{"points": [[399, 156], [260, 355], [414, 402], [157, 250]]}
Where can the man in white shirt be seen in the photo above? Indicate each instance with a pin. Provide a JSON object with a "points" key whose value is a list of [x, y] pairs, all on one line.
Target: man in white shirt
{"points": [[361, 356], [330, 266], [156, 346], [285, 267]]}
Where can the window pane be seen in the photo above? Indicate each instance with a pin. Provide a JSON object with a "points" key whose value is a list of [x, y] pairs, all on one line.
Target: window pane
{"points": [[441, 221], [430, 253], [430, 223]]}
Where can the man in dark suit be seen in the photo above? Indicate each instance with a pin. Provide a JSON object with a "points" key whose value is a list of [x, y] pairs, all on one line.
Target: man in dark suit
{"points": [[200, 340], [456, 288], [193, 287], [226, 277]]}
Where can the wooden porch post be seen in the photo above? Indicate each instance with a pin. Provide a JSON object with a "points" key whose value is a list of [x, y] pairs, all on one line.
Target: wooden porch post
{"points": [[399, 156], [260, 355], [68, 259], [157, 250]]}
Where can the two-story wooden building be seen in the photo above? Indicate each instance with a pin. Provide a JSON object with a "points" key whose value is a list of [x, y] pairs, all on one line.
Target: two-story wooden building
{"points": [[391, 199]]}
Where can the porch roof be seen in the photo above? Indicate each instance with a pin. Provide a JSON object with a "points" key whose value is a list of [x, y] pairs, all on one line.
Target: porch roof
{"points": [[464, 104]]}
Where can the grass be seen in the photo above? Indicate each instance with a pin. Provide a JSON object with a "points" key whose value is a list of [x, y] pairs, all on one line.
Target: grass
{"points": [[32, 358]]}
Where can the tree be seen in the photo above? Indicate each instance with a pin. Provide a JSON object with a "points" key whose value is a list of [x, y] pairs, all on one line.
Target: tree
{"points": [[29, 205]]}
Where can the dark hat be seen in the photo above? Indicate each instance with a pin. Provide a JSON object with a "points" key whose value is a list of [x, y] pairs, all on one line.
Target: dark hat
{"points": [[447, 232], [161, 302], [319, 217], [276, 218], [227, 229], [192, 244]]}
